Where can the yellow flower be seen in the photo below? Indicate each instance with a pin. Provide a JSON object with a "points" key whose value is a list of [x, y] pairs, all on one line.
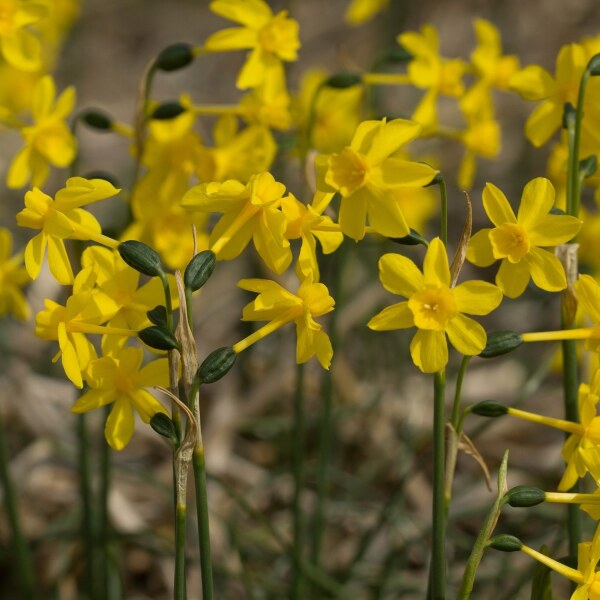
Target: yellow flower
{"points": [[279, 306], [272, 38], [518, 240], [428, 70], [481, 138], [534, 83], [62, 219], [19, 46], [366, 175], [12, 278], [587, 291], [308, 224], [118, 378], [435, 308], [251, 212], [49, 140], [361, 11]]}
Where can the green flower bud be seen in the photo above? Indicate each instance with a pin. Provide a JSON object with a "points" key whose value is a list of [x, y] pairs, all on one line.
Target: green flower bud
{"points": [[588, 166], [593, 66], [168, 110], [159, 338], [97, 119], [501, 342], [524, 496], [489, 408], [199, 269], [397, 55], [216, 364], [506, 543], [164, 426], [342, 81], [437, 179], [141, 257], [569, 116], [174, 57], [158, 316], [414, 238]]}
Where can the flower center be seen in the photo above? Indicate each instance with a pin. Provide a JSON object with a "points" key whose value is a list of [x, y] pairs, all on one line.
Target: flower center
{"points": [[279, 36], [594, 589], [510, 241], [433, 307], [348, 171]]}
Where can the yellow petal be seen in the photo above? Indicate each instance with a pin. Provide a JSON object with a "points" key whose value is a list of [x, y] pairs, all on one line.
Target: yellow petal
{"points": [[364, 135], [234, 38], [533, 83], [546, 270], [466, 335], [269, 240], [536, 201], [399, 275], [385, 215], [353, 213], [58, 261], [390, 137], [395, 172], [476, 297], [92, 400], [479, 251], [497, 206], [397, 316], [252, 13], [588, 294], [34, 254], [429, 350], [146, 404], [119, 425], [436, 270], [552, 230], [19, 171], [543, 122], [22, 50], [512, 278], [70, 360]]}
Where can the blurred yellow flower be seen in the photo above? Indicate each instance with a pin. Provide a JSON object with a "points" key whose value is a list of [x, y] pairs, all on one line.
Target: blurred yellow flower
{"points": [[13, 277], [361, 11]]}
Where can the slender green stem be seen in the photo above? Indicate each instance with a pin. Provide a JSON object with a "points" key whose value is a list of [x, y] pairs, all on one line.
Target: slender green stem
{"points": [[140, 119], [203, 520], [25, 572], [443, 211], [180, 586], [85, 490], [458, 391], [298, 468], [438, 558], [485, 533], [105, 476]]}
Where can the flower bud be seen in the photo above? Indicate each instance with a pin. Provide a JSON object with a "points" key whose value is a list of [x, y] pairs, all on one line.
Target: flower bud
{"points": [[168, 110], [523, 496], [97, 119], [216, 364], [164, 426], [141, 257], [342, 81], [489, 408], [158, 316], [173, 57], [159, 338], [199, 269], [593, 66], [505, 543], [588, 166], [501, 342], [414, 238]]}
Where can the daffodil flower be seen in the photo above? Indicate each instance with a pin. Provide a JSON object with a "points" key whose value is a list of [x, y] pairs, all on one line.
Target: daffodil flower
{"points": [[60, 219], [518, 241], [48, 141], [280, 307], [271, 38], [20, 47], [536, 84], [435, 308], [361, 11], [367, 175], [305, 222], [428, 70], [13, 277], [70, 324], [120, 379], [252, 212]]}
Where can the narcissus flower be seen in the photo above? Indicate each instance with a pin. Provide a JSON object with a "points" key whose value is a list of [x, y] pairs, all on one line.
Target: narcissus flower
{"points": [[271, 38], [280, 307], [252, 212], [367, 176], [518, 241], [13, 277], [119, 378], [48, 141], [435, 308], [60, 219], [361, 11]]}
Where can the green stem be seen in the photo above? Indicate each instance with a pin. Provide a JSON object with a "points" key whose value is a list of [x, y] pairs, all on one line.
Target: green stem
{"points": [[443, 211], [105, 475], [203, 520], [485, 533], [298, 468], [438, 559], [85, 490], [25, 572], [180, 587], [140, 120]]}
